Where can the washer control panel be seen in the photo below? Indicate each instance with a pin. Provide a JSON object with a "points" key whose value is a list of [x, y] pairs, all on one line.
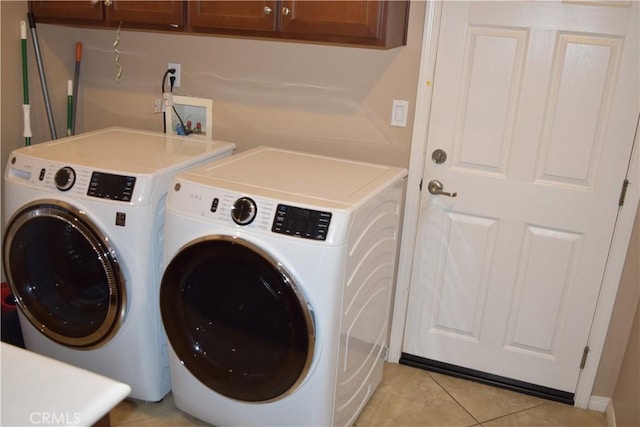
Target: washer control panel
{"points": [[110, 186], [78, 181], [254, 213], [300, 222]]}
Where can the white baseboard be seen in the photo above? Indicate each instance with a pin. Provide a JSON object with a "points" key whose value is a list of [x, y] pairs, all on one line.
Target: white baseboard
{"points": [[611, 416], [603, 404], [598, 403]]}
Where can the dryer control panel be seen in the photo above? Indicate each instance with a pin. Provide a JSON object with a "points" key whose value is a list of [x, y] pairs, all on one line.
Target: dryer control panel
{"points": [[300, 222], [110, 186]]}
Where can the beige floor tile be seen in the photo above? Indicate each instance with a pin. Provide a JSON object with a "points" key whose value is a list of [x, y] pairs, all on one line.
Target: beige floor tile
{"points": [[548, 415], [485, 402], [600, 417], [409, 397], [133, 413]]}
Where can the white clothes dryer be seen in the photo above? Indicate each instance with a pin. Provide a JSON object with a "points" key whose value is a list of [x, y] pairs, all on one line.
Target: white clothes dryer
{"points": [[82, 248], [276, 292]]}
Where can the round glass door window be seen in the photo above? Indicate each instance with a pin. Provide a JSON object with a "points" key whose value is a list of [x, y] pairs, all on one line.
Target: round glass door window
{"points": [[236, 319], [63, 274]]}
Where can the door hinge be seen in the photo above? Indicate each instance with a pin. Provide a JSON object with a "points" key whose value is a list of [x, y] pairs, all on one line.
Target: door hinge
{"points": [[421, 184], [585, 352], [623, 193]]}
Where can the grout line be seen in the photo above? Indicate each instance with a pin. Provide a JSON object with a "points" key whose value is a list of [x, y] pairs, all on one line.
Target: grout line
{"points": [[519, 411], [550, 403], [513, 413], [478, 422]]}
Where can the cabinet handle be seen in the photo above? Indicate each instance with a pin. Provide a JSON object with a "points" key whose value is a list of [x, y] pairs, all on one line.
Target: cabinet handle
{"points": [[107, 3], [267, 10], [285, 11]]}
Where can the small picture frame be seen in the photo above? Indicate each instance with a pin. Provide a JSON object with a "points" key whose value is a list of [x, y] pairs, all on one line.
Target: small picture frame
{"points": [[195, 114]]}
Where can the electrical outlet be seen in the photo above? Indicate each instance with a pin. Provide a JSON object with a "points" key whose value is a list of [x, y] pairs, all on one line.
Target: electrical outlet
{"points": [[177, 73], [157, 108]]}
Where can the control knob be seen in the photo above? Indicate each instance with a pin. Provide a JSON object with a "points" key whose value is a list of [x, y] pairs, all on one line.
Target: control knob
{"points": [[244, 211], [65, 178]]}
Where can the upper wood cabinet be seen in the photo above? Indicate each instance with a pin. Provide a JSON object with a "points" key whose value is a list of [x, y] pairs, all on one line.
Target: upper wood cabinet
{"points": [[372, 23], [362, 22], [160, 15]]}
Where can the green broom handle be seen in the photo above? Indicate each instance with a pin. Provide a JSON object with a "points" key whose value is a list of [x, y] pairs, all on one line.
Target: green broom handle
{"points": [[26, 108]]}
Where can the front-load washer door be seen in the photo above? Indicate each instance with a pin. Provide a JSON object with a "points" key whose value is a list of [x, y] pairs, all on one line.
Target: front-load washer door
{"points": [[64, 274], [236, 319]]}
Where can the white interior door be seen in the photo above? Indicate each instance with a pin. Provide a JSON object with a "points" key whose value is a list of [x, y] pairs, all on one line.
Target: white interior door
{"points": [[535, 105]]}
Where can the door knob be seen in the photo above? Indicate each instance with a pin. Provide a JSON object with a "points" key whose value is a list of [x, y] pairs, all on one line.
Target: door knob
{"points": [[435, 187]]}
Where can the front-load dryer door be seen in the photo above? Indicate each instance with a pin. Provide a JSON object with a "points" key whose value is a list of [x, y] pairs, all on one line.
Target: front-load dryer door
{"points": [[236, 320], [64, 274]]}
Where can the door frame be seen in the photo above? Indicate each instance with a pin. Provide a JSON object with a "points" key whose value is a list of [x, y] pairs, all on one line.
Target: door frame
{"points": [[619, 243]]}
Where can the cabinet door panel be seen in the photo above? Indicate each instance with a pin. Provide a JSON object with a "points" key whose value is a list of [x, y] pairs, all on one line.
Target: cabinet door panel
{"points": [[372, 22], [338, 18], [156, 13], [64, 11], [233, 15]]}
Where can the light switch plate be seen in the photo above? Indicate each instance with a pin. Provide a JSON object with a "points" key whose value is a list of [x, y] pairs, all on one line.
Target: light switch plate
{"points": [[399, 113]]}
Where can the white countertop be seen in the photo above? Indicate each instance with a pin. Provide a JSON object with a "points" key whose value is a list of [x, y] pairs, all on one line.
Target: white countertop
{"points": [[37, 390]]}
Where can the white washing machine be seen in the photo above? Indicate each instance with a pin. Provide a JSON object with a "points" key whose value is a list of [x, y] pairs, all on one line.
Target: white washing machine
{"points": [[276, 291], [82, 248]]}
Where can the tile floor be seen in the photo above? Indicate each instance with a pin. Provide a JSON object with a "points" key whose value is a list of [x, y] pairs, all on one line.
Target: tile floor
{"points": [[409, 397]]}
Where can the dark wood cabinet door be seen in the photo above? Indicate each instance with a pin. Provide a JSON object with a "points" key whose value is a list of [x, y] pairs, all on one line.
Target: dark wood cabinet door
{"points": [[67, 11], [377, 23], [162, 14], [233, 15], [332, 18]]}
